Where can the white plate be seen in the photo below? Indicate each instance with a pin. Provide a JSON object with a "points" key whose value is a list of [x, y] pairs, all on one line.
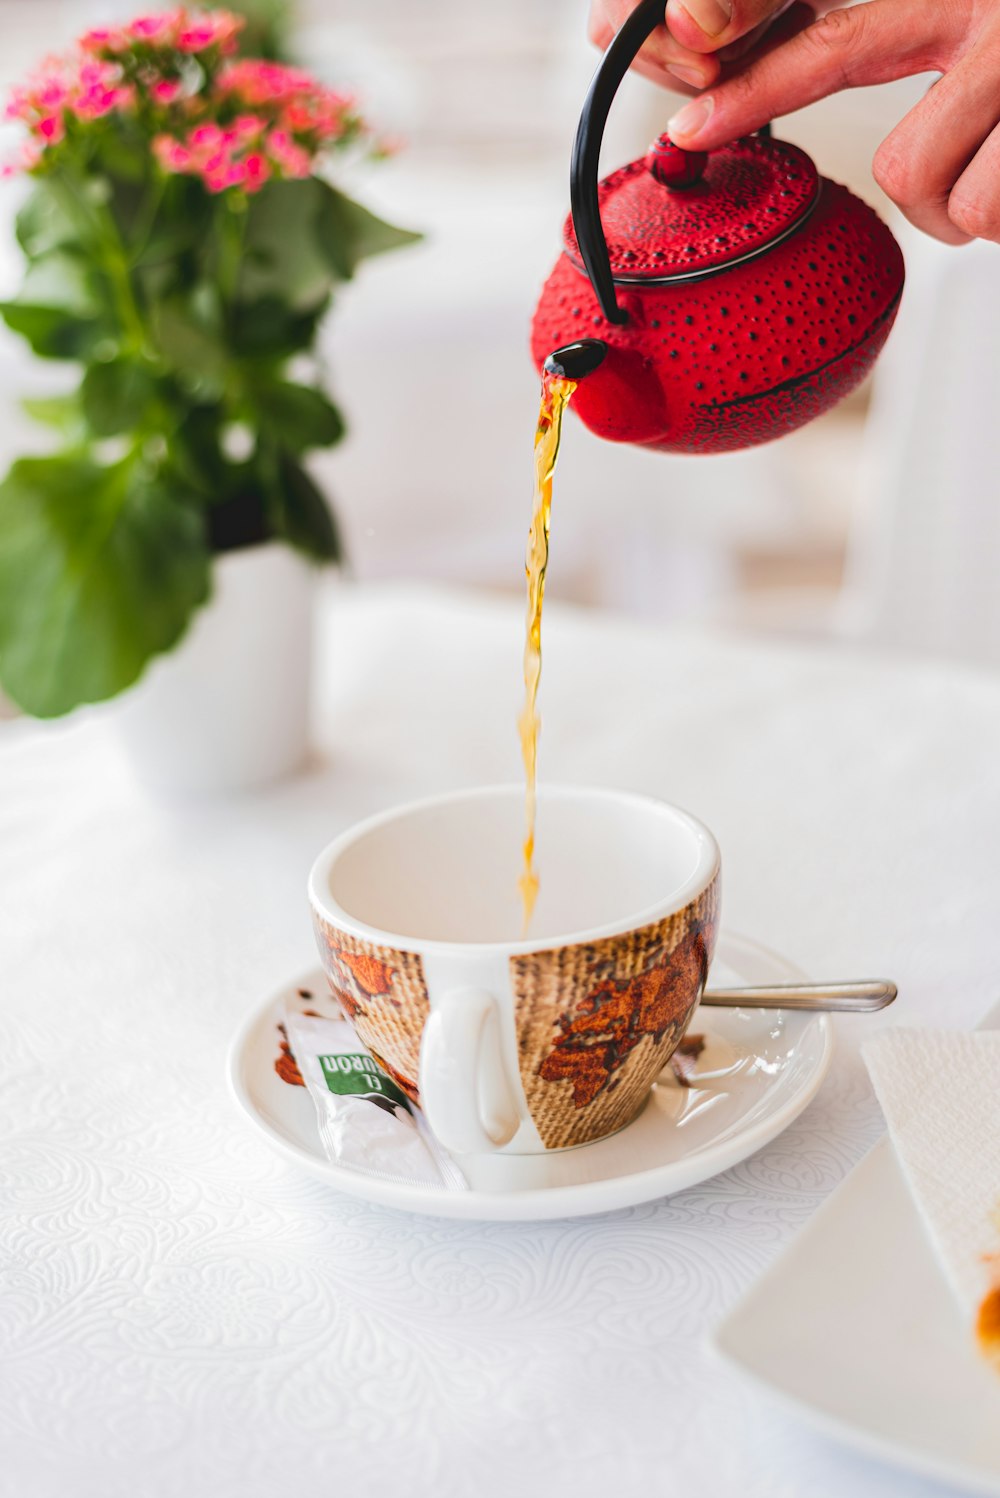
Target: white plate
{"points": [[758, 1071], [856, 1328]]}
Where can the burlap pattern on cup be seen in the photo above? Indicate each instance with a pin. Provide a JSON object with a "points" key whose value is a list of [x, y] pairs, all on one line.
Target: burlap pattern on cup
{"points": [[383, 994], [597, 1022]]}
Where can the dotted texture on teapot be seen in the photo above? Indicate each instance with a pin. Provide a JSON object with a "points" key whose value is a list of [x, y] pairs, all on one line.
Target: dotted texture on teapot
{"points": [[750, 194], [741, 356]]}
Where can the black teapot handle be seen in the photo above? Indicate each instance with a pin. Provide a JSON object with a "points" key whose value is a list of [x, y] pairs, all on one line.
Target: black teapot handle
{"points": [[584, 166], [586, 212]]}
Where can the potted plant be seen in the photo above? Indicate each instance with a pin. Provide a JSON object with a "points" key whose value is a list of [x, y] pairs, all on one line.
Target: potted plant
{"points": [[182, 247]]}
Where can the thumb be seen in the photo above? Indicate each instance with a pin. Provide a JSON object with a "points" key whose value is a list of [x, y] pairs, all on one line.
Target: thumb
{"points": [[707, 25], [865, 44]]}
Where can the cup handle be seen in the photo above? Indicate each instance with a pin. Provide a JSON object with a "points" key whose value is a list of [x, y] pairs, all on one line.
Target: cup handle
{"points": [[464, 1090]]}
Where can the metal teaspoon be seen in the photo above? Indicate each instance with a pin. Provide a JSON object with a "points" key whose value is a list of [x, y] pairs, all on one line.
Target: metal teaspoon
{"points": [[850, 998]]}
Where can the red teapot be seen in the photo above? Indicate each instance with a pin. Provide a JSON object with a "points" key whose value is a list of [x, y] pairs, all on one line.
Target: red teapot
{"points": [[712, 300]]}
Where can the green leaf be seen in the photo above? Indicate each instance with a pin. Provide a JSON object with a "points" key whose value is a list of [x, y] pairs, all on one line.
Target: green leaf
{"points": [[178, 235], [121, 153], [196, 454], [58, 309], [61, 412], [283, 255], [267, 28], [298, 416], [190, 336], [116, 396], [349, 233], [53, 334], [60, 280], [299, 514], [43, 224], [304, 236], [166, 242], [99, 570], [269, 329]]}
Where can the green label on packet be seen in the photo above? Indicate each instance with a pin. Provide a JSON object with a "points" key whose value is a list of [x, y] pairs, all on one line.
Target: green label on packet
{"points": [[360, 1075]]}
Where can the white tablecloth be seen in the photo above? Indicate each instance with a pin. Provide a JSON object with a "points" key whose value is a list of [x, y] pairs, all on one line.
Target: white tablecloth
{"points": [[184, 1313]]}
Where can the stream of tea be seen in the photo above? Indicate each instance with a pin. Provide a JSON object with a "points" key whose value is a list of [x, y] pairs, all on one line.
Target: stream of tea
{"points": [[556, 392]]}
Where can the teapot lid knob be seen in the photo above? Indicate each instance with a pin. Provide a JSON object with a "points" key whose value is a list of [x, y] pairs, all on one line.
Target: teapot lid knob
{"points": [[673, 167]]}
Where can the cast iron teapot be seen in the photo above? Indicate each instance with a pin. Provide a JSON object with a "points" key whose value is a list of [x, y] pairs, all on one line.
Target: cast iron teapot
{"points": [[712, 300]]}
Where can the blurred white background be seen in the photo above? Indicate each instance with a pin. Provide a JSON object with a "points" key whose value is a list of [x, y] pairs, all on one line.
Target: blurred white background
{"points": [[881, 519]]}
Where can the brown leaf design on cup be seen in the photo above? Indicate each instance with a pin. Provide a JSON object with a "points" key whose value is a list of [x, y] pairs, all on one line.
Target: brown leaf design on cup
{"points": [[606, 1025], [372, 976]]}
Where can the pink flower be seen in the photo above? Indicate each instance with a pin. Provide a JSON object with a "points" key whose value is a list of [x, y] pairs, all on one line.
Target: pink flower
{"points": [[18, 105], [171, 155], [326, 114], [248, 126], [292, 159], [51, 129], [28, 158], [52, 93], [227, 174], [85, 87], [166, 90], [257, 171], [275, 118], [161, 29], [298, 117], [258, 82], [39, 97], [95, 102], [206, 137], [305, 107], [104, 39], [219, 28], [220, 158]]}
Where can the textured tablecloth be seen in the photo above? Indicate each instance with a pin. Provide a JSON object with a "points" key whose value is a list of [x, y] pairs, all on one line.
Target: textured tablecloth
{"points": [[185, 1314]]}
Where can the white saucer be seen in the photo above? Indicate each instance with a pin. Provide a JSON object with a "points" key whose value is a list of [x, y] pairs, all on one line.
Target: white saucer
{"points": [[758, 1071]]}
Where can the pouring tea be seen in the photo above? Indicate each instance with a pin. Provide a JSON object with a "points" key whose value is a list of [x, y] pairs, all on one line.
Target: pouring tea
{"points": [[703, 302], [738, 292]]}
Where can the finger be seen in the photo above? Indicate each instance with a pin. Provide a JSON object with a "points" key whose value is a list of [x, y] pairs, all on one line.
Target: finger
{"points": [[708, 25], [736, 51], [662, 58], [765, 38], [974, 203], [870, 43], [920, 163], [678, 77]]}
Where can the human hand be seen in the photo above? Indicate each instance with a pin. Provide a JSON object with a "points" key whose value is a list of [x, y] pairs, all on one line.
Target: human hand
{"points": [[941, 163], [698, 39]]}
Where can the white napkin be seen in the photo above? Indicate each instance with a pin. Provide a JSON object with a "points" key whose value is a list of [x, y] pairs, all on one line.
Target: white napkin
{"points": [[940, 1092]]}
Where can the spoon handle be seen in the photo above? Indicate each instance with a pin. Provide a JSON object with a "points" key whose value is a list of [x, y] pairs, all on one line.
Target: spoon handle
{"points": [[851, 998]]}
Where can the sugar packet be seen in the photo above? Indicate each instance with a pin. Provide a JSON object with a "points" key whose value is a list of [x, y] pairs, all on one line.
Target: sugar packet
{"points": [[366, 1121]]}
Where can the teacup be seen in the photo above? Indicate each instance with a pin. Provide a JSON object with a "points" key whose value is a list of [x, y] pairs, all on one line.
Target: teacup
{"points": [[512, 1043]]}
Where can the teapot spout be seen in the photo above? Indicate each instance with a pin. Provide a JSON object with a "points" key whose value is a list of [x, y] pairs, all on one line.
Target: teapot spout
{"points": [[576, 360]]}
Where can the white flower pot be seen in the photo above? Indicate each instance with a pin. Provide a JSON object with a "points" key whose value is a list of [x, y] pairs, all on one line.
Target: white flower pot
{"points": [[228, 709]]}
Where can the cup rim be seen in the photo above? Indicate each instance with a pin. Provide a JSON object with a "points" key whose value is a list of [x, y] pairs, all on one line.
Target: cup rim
{"points": [[323, 904]]}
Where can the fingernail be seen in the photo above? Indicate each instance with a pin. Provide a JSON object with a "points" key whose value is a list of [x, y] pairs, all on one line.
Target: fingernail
{"points": [[692, 118], [687, 75], [710, 16]]}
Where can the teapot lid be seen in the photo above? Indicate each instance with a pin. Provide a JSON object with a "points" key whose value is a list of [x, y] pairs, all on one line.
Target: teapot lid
{"points": [[675, 215]]}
